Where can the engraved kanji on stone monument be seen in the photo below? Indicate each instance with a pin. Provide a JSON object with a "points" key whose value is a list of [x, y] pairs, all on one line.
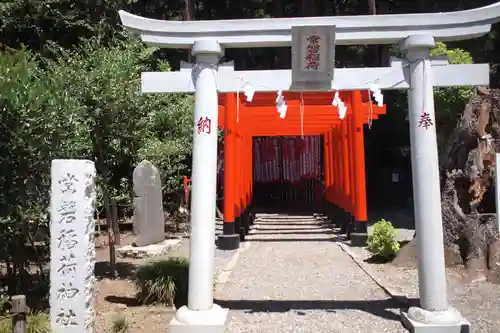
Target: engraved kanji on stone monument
{"points": [[72, 246]]}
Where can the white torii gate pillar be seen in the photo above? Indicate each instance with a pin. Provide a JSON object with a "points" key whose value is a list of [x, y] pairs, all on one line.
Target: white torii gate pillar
{"points": [[434, 313], [201, 314]]}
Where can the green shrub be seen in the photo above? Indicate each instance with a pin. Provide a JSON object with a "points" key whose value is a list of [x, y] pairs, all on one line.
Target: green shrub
{"points": [[382, 241], [37, 323], [4, 302], [163, 281]]}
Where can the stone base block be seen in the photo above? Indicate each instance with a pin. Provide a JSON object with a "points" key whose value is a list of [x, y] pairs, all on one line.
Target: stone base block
{"points": [[443, 322], [211, 321], [242, 234], [358, 238], [153, 250], [228, 242]]}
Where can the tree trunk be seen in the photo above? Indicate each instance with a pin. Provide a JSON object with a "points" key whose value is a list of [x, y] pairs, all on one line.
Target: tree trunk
{"points": [[111, 234], [188, 16], [468, 188], [374, 50]]}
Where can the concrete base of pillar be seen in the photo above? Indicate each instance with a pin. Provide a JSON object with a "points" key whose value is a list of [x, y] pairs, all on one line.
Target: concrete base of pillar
{"points": [[334, 216], [358, 239], [359, 235], [344, 221], [240, 229], [189, 321], [228, 242], [330, 213], [418, 320], [251, 217], [251, 214], [246, 223]]}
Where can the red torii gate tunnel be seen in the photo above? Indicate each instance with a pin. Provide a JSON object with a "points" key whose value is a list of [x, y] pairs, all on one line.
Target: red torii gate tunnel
{"points": [[343, 150]]}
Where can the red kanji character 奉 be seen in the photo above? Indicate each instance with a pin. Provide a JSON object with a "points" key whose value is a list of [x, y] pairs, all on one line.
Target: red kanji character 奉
{"points": [[425, 120]]}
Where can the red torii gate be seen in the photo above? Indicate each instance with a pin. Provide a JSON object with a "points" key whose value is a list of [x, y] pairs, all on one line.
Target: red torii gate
{"points": [[343, 144]]}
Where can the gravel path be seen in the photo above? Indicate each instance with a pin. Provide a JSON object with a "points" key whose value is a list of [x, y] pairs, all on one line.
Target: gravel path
{"points": [[294, 278], [221, 257], [478, 302]]}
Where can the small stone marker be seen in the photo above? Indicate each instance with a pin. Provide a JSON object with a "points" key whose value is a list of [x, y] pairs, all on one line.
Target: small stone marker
{"points": [[72, 246], [18, 309], [149, 222]]}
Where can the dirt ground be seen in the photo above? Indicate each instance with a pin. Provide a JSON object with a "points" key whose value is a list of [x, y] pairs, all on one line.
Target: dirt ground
{"points": [[117, 296]]}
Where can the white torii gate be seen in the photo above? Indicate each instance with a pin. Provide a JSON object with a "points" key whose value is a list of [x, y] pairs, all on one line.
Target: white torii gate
{"points": [[416, 34]]}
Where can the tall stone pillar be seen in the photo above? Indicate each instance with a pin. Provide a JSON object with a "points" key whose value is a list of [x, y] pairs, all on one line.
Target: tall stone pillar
{"points": [[434, 313], [201, 314]]}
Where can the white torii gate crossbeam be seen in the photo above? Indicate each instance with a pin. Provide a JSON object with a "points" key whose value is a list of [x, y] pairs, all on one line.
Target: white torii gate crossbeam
{"points": [[418, 73], [388, 78]]}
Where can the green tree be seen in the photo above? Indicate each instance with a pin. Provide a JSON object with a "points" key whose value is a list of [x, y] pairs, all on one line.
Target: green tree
{"points": [[33, 132], [117, 125], [85, 104], [450, 102]]}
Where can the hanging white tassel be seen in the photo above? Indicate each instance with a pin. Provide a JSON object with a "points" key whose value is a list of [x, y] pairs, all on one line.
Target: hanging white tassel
{"points": [[282, 109], [337, 101], [377, 95], [238, 106], [281, 106], [249, 91], [279, 97], [301, 115], [342, 110], [336, 98]]}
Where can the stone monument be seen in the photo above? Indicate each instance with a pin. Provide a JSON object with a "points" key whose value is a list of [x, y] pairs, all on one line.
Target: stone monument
{"points": [[72, 246], [149, 222]]}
